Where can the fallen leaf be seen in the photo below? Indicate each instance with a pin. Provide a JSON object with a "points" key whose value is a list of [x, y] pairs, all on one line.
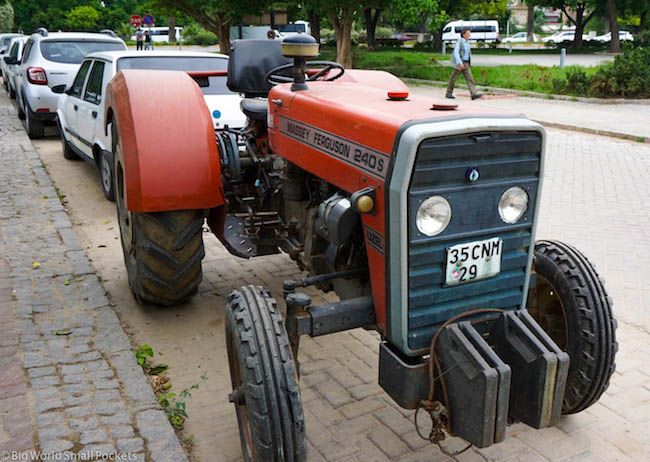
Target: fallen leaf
{"points": [[66, 282], [35, 265], [158, 369], [61, 332], [106, 222], [79, 279]]}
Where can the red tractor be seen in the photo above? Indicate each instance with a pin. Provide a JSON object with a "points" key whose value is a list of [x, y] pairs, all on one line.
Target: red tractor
{"points": [[420, 217]]}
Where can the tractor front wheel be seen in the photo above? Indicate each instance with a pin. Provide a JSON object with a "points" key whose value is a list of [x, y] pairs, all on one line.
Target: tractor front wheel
{"points": [[571, 304], [265, 393], [162, 250]]}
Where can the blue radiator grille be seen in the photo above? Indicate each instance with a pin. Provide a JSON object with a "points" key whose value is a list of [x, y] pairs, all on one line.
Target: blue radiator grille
{"points": [[504, 160]]}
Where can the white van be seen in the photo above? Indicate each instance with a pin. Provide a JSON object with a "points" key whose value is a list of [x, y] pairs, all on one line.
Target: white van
{"points": [[486, 30], [298, 27], [161, 34]]}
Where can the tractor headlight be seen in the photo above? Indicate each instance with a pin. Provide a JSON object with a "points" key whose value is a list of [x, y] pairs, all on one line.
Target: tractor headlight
{"points": [[513, 204], [433, 216]]}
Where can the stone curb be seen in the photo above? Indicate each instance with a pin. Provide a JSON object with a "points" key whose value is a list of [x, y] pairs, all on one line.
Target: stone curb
{"points": [[109, 339]]}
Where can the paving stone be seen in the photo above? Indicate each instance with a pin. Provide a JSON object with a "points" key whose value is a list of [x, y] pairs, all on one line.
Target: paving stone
{"points": [[159, 435], [122, 431], [85, 424], [43, 405], [73, 369], [50, 418], [76, 388], [130, 445], [104, 408], [54, 446], [52, 432], [41, 371], [388, 442], [44, 382], [79, 411], [93, 436]]}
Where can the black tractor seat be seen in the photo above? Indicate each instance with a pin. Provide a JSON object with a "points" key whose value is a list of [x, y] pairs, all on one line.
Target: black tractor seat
{"points": [[254, 108]]}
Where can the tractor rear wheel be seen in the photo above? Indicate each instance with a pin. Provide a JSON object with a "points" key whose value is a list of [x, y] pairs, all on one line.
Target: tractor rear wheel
{"points": [[162, 250], [265, 393], [571, 304]]}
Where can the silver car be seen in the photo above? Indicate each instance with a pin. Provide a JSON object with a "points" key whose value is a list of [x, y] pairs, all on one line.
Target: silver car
{"points": [[5, 39], [49, 60], [9, 64]]}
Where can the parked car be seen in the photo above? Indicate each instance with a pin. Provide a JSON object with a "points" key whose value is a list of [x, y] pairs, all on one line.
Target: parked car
{"points": [[519, 37], [5, 40], [481, 31], [81, 105], [560, 37], [49, 60], [14, 54], [622, 35]]}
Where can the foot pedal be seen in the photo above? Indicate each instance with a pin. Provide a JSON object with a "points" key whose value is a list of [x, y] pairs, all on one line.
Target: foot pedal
{"points": [[236, 238], [503, 370], [562, 365], [534, 370], [472, 385]]}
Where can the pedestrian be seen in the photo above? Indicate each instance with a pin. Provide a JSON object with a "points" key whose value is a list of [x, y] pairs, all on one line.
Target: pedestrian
{"points": [[139, 38], [148, 45], [461, 60]]}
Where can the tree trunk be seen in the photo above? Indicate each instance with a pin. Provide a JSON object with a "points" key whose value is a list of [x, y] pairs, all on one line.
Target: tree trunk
{"points": [[314, 23], [642, 20], [371, 25], [580, 27], [343, 30], [171, 24], [615, 43], [530, 23], [223, 34]]}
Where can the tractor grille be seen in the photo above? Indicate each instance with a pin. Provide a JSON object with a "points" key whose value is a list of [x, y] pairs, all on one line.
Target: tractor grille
{"points": [[504, 159]]}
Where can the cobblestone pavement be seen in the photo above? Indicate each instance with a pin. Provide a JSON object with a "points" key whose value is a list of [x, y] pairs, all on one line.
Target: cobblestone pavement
{"points": [[68, 380], [596, 196]]}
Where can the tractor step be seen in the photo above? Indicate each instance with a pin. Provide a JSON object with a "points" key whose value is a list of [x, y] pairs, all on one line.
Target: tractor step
{"points": [[236, 237]]}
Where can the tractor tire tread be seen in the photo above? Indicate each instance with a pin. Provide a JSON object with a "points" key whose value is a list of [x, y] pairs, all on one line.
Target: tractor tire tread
{"points": [[596, 346]]}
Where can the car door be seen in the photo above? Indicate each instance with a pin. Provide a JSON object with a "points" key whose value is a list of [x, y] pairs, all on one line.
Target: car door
{"points": [[88, 114], [73, 102]]}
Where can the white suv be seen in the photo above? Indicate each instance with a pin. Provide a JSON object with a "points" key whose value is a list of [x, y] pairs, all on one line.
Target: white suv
{"points": [[81, 106], [10, 62], [51, 59]]}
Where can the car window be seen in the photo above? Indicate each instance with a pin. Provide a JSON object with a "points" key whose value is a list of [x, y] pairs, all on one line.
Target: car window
{"points": [[14, 51], [27, 49], [78, 84], [6, 41], [74, 51], [447, 29], [173, 63], [94, 87]]}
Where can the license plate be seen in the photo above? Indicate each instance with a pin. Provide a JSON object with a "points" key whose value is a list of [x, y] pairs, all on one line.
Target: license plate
{"points": [[473, 261]]}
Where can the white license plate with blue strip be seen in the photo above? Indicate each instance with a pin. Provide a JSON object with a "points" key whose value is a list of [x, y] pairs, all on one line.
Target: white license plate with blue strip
{"points": [[473, 261]]}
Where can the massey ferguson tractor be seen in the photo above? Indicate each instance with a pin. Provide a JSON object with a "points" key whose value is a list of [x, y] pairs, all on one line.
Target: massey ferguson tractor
{"points": [[420, 216]]}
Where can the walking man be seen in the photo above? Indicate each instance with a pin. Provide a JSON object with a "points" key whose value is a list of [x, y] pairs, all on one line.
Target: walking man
{"points": [[139, 38], [461, 62]]}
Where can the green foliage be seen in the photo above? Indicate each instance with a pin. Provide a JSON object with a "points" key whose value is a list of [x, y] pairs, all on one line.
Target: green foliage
{"points": [[124, 31], [175, 406], [197, 35], [574, 82], [6, 17], [628, 76], [411, 12], [142, 355], [82, 18]]}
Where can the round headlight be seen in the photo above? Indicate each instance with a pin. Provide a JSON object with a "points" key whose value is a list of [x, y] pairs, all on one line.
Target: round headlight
{"points": [[513, 204], [433, 216]]}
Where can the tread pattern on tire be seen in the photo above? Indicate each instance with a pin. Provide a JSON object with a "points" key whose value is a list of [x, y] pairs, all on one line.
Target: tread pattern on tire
{"points": [[273, 395], [595, 338], [166, 273]]}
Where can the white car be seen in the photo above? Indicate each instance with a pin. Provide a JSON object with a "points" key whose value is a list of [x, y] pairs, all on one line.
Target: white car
{"points": [[10, 62], [519, 37], [622, 35], [80, 109], [50, 60], [560, 37]]}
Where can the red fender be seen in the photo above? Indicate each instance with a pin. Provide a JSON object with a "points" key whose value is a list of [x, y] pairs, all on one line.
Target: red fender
{"points": [[169, 156]]}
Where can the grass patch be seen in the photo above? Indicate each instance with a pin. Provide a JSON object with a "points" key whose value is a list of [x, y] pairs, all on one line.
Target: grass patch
{"points": [[434, 66]]}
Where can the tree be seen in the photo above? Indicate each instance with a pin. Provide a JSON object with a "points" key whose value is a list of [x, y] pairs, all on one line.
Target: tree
{"points": [[341, 13], [83, 18], [216, 15], [584, 11], [371, 16], [615, 43], [530, 21], [6, 16]]}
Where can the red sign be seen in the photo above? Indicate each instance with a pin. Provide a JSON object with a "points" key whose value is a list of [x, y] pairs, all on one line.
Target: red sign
{"points": [[136, 20]]}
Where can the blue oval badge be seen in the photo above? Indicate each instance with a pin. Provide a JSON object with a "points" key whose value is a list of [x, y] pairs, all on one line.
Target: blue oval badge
{"points": [[472, 174], [216, 114]]}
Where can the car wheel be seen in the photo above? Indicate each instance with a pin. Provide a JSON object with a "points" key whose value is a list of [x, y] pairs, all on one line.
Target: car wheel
{"points": [[19, 105], [68, 153], [106, 174], [12, 92], [35, 127]]}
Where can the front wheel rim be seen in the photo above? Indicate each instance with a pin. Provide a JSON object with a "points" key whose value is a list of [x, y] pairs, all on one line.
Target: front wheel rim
{"points": [[107, 177], [240, 407], [548, 310]]}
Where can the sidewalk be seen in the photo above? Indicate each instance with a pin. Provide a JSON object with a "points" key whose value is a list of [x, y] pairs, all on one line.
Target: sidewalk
{"points": [[69, 381], [624, 120]]}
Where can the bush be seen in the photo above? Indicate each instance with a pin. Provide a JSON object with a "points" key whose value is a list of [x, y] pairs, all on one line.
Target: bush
{"points": [[576, 82], [6, 17], [328, 37], [194, 34], [628, 76]]}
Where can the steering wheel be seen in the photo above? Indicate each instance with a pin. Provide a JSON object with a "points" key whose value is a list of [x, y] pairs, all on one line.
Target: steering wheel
{"points": [[275, 77]]}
